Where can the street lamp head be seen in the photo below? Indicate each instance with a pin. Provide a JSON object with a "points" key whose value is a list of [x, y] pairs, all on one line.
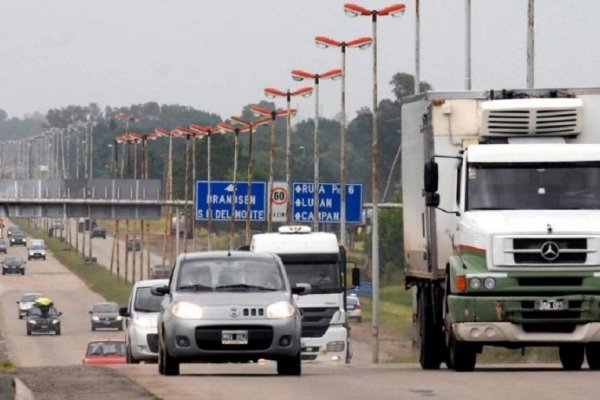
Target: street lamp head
{"points": [[261, 111], [333, 74], [362, 43], [272, 93], [300, 75], [305, 91], [354, 10], [325, 42], [395, 10], [160, 132]]}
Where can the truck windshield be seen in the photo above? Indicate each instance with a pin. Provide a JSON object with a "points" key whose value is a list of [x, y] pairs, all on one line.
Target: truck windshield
{"points": [[322, 276], [539, 186]]}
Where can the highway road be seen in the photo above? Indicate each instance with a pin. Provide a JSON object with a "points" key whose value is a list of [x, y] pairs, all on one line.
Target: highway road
{"points": [[360, 380]]}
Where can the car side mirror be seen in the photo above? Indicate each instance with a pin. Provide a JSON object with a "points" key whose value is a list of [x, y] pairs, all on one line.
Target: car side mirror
{"points": [[159, 290], [90, 312], [301, 288], [123, 312], [59, 313]]}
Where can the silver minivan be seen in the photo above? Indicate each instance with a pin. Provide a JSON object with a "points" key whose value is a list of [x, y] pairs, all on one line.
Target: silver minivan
{"points": [[140, 324]]}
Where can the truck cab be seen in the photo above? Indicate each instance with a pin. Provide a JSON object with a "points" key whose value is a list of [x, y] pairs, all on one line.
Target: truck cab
{"points": [[317, 259]]}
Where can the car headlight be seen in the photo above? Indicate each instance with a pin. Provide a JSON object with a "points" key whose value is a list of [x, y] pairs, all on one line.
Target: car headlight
{"points": [[95, 318], [281, 309], [119, 318], [55, 321], [186, 310], [31, 321]]}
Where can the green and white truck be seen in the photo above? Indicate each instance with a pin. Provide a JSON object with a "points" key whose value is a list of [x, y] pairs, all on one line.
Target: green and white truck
{"points": [[501, 193]]}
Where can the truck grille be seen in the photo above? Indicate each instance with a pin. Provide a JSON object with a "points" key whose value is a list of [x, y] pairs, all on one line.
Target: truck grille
{"points": [[209, 337], [315, 321], [550, 251]]}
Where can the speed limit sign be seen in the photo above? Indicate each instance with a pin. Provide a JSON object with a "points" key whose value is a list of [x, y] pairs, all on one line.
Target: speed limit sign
{"points": [[279, 198]]}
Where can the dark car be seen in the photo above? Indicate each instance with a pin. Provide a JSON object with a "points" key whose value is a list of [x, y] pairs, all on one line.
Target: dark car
{"points": [[134, 244], [3, 246], [43, 317], [18, 239], [98, 232], [13, 265], [11, 230], [106, 315]]}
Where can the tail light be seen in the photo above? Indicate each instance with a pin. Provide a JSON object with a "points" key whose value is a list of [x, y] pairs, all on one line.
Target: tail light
{"points": [[358, 307]]}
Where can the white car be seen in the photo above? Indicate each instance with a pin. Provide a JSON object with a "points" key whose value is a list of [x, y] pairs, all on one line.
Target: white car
{"points": [[353, 308], [36, 249], [26, 302], [141, 321]]}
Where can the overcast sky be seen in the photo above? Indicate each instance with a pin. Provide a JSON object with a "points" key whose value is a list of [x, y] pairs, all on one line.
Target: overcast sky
{"points": [[219, 55]]}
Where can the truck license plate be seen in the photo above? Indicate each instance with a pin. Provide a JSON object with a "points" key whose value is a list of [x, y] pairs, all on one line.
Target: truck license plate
{"points": [[234, 337], [551, 305]]}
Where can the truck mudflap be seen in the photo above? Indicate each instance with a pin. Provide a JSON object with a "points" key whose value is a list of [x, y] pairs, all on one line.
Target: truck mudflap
{"points": [[570, 318]]}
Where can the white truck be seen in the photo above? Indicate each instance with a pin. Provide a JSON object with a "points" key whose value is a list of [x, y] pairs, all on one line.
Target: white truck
{"points": [[501, 202], [315, 258]]}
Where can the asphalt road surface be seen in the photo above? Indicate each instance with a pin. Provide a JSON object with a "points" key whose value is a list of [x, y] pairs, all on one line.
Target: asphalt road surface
{"points": [[359, 380]]}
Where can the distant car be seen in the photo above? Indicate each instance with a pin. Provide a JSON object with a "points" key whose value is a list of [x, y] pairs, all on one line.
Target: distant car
{"points": [[18, 239], [353, 308], [142, 313], [233, 306], [106, 316], [43, 317], [26, 302], [105, 352], [13, 265], [134, 244], [98, 232], [158, 271], [36, 250], [11, 230], [3, 246]]}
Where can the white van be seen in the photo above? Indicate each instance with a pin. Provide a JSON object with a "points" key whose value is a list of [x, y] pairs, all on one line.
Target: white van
{"points": [[141, 321]]}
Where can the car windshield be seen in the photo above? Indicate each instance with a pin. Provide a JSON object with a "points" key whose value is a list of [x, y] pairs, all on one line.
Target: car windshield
{"points": [[145, 301], [37, 247], [30, 297], [539, 186], [13, 260], [235, 274], [106, 348], [105, 308], [38, 312]]}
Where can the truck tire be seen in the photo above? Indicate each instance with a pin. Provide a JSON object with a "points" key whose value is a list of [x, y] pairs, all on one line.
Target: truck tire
{"points": [[571, 356], [462, 356], [592, 354], [431, 348]]}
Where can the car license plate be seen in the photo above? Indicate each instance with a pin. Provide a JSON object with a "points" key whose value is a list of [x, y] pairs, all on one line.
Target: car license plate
{"points": [[551, 305], [234, 337]]}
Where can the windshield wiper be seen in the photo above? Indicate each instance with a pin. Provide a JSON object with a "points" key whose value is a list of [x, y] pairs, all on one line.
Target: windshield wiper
{"points": [[244, 286], [196, 286]]}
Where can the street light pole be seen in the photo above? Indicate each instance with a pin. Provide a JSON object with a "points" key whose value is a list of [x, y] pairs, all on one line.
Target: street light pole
{"points": [[273, 113], [272, 93], [250, 125], [300, 75], [361, 43], [354, 10]]}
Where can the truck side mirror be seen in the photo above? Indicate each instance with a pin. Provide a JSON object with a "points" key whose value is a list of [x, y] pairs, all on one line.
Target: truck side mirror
{"points": [[355, 277], [431, 177]]}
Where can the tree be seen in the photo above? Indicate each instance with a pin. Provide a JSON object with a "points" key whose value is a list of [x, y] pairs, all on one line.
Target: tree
{"points": [[404, 85], [3, 115]]}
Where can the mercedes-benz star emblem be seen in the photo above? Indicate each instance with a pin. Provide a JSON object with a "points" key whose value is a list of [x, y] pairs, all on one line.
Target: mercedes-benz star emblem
{"points": [[234, 312], [550, 251]]}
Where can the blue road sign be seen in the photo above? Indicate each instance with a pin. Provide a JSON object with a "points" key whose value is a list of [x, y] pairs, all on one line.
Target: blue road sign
{"points": [[221, 193], [329, 202], [364, 289]]}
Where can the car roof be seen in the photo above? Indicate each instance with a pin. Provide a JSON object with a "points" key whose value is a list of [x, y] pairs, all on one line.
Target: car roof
{"points": [[31, 294], [225, 254], [105, 303]]}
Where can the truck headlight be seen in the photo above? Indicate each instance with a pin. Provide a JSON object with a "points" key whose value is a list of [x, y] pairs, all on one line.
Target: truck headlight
{"points": [[475, 283], [187, 310], [489, 283], [281, 309], [336, 346]]}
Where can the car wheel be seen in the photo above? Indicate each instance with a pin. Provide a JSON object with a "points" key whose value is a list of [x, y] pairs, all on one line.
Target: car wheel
{"points": [[28, 332], [120, 328], [57, 331], [3, 273], [44, 258], [20, 316], [93, 328], [170, 366], [289, 365], [359, 319], [23, 272], [129, 357]]}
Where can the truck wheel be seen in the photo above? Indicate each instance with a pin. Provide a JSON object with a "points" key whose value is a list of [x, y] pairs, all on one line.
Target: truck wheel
{"points": [[571, 356], [592, 353], [167, 365], [462, 356], [430, 349], [289, 365]]}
